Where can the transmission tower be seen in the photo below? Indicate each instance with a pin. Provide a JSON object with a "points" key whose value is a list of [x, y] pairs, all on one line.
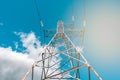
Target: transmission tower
{"points": [[61, 59]]}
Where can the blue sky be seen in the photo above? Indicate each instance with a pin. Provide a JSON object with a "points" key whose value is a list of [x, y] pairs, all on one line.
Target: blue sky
{"points": [[102, 30]]}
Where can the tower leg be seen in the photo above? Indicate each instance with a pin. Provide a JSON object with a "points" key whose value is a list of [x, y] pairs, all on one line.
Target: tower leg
{"points": [[32, 73], [89, 77]]}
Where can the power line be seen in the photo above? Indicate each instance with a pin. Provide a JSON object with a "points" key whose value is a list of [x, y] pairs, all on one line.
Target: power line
{"points": [[38, 13]]}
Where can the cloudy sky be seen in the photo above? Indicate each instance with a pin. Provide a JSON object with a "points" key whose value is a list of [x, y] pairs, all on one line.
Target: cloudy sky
{"points": [[20, 29]]}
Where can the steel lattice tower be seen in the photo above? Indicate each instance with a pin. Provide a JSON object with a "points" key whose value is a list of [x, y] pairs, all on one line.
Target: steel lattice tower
{"points": [[62, 60]]}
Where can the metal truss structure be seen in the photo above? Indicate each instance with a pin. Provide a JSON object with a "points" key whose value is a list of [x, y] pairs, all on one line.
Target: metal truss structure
{"points": [[62, 60]]}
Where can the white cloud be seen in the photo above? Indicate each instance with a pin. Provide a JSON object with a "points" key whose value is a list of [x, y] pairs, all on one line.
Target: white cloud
{"points": [[31, 43], [13, 64]]}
